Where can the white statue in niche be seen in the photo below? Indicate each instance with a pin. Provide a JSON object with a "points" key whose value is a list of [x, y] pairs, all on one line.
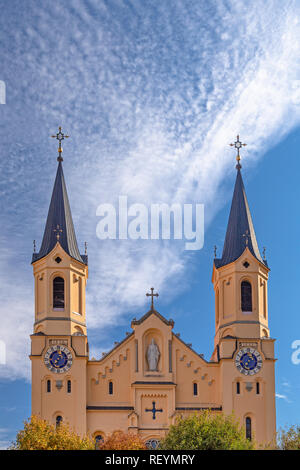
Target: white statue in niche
{"points": [[153, 355]]}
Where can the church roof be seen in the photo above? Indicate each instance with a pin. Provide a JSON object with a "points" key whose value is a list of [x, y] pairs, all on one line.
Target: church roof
{"points": [[154, 312], [240, 230], [59, 224]]}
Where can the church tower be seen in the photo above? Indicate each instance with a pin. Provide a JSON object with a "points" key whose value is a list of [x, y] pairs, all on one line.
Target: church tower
{"points": [[59, 348], [243, 346]]}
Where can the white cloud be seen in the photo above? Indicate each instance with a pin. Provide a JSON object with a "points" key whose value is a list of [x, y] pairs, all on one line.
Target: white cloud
{"points": [[151, 109], [282, 397]]}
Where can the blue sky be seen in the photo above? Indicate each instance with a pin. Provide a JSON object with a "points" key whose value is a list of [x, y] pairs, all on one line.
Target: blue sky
{"points": [[151, 94]]}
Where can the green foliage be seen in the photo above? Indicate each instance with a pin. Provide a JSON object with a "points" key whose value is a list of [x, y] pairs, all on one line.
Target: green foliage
{"points": [[40, 435], [206, 431], [289, 439]]}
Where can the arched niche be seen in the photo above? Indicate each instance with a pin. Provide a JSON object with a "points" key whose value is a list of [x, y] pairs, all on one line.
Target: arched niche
{"points": [[153, 335]]}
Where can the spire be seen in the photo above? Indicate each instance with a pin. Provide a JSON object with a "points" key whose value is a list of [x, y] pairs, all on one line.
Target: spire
{"points": [[240, 230], [59, 225]]}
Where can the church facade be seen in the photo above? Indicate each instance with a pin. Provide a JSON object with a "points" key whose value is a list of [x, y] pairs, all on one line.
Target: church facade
{"points": [[153, 375]]}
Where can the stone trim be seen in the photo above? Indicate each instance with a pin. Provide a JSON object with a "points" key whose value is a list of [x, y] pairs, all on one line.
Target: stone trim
{"points": [[194, 408], [60, 319], [153, 383], [247, 322], [110, 408]]}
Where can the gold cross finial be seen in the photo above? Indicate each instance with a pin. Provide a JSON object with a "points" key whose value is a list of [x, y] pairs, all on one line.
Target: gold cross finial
{"points": [[152, 295], [238, 145], [60, 136], [58, 231]]}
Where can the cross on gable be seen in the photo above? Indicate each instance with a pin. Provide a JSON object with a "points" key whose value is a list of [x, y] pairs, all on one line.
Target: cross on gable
{"points": [[154, 410], [152, 295]]}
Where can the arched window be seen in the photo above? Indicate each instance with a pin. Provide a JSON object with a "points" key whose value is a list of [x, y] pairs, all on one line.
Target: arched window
{"points": [[257, 388], [195, 388], [58, 421], [69, 386], [238, 388], [248, 428], [152, 444], [98, 440], [58, 293], [110, 388], [246, 296], [48, 386]]}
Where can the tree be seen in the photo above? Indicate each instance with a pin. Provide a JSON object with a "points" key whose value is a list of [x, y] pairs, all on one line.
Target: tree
{"points": [[120, 440], [38, 434], [289, 438], [206, 431]]}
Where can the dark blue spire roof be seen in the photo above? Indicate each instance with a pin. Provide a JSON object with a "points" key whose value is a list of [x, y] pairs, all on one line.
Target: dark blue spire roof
{"points": [[59, 221], [240, 230]]}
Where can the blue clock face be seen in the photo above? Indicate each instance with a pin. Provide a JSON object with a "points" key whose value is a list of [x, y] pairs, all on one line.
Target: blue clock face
{"points": [[248, 361], [58, 359]]}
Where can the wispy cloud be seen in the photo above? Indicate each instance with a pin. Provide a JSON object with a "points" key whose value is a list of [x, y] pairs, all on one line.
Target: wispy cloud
{"points": [[151, 95], [282, 397]]}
